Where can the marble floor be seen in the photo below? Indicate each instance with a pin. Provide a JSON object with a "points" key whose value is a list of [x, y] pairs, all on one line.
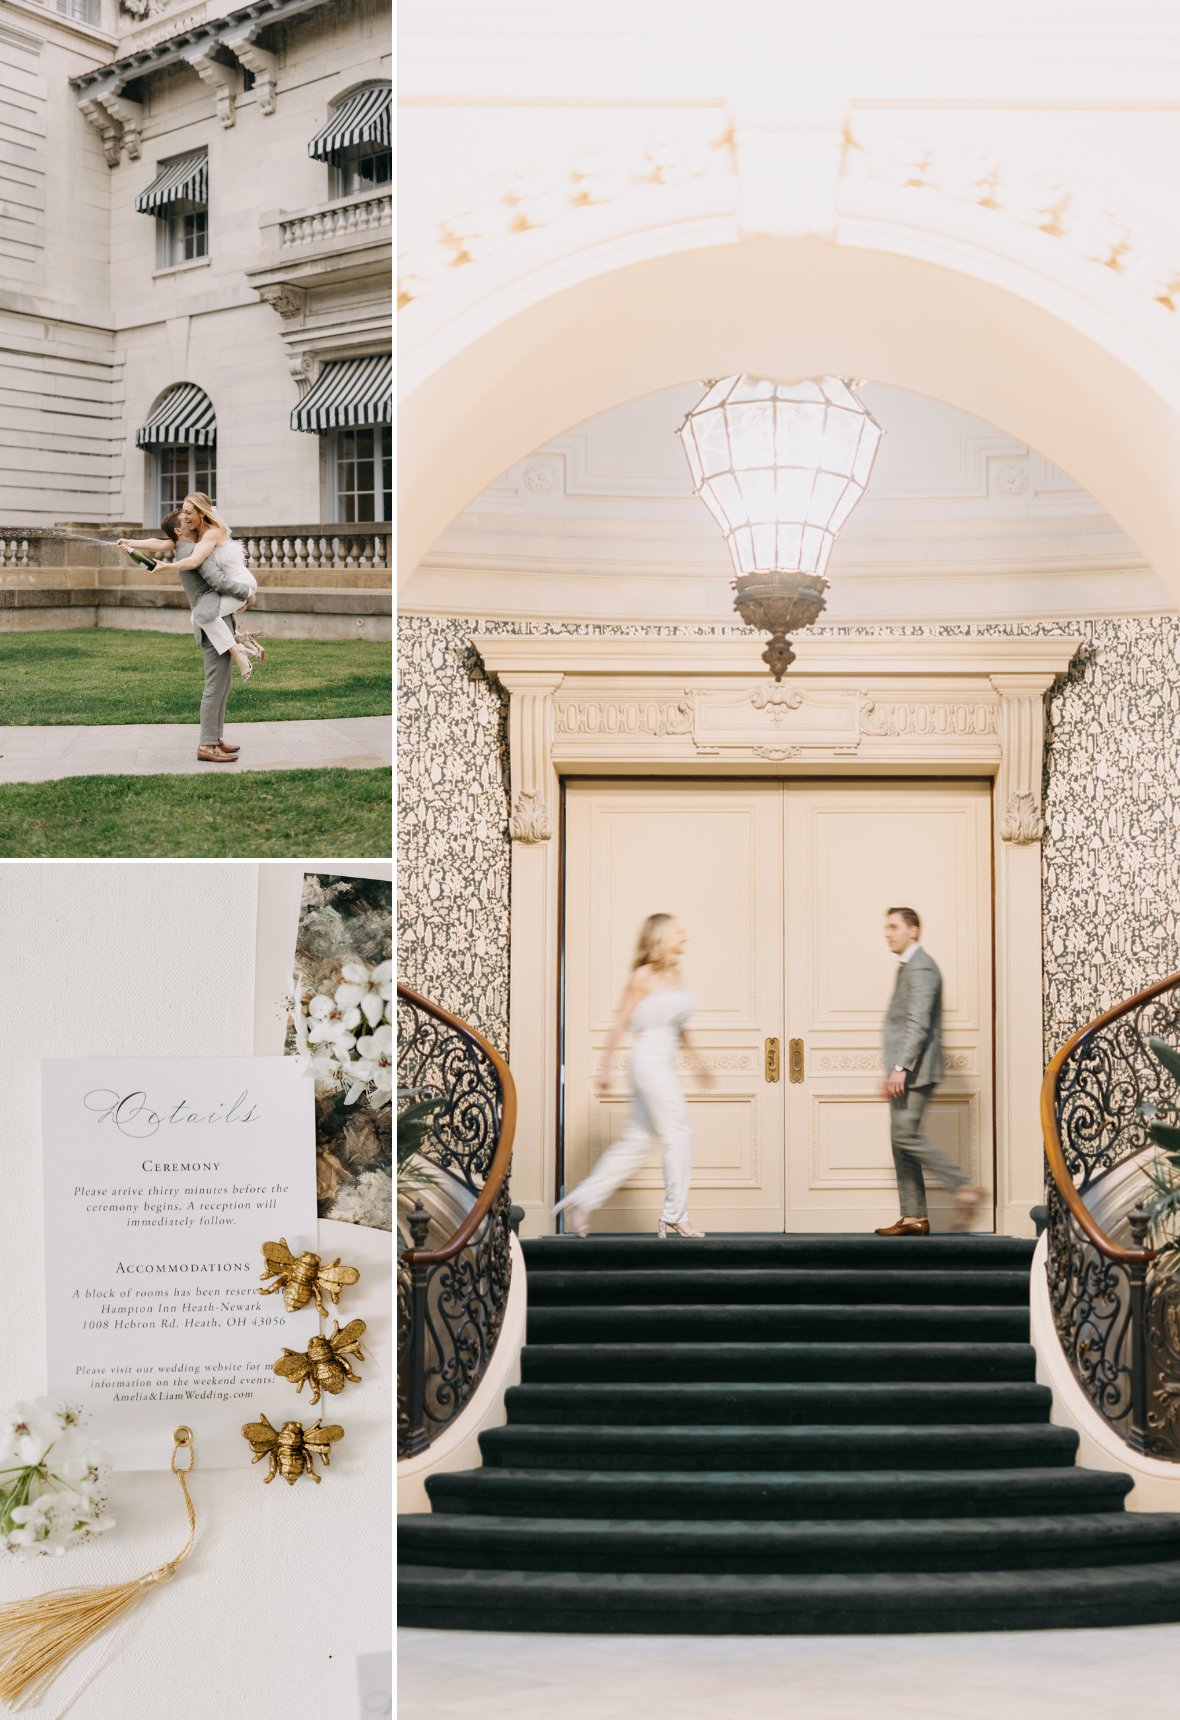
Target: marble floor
{"points": [[42, 753], [476, 1675]]}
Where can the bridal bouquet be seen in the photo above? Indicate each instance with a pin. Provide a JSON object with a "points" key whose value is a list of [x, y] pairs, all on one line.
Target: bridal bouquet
{"points": [[344, 1035], [49, 1479]]}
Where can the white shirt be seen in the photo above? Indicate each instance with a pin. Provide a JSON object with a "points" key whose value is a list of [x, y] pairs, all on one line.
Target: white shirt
{"points": [[912, 951]]}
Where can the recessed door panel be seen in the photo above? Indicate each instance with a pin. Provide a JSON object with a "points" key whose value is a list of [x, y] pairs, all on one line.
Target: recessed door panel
{"points": [[852, 852], [712, 855]]}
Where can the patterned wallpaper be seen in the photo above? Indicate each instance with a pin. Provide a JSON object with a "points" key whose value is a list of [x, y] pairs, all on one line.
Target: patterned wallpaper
{"points": [[1111, 853]]}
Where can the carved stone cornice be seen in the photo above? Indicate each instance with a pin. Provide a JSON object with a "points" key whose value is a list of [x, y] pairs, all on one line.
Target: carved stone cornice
{"points": [[226, 82], [130, 117], [241, 43], [530, 737], [108, 129], [702, 705], [290, 302]]}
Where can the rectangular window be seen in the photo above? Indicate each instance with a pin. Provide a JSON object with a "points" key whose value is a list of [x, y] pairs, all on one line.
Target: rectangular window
{"points": [[362, 472], [86, 11], [361, 167], [177, 470], [183, 234]]}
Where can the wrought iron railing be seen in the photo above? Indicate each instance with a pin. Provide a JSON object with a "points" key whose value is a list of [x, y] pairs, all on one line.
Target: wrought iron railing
{"points": [[1117, 1312], [451, 1297]]}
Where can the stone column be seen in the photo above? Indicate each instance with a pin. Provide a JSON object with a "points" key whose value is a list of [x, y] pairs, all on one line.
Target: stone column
{"points": [[1019, 966], [534, 951]]}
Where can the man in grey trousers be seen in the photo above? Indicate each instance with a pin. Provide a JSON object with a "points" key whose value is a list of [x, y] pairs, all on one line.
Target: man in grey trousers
{"points": [[912, 1045], [205, 605]]}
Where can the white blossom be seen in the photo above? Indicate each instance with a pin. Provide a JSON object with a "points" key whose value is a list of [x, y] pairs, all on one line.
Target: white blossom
{"points": [[49, 1479]]}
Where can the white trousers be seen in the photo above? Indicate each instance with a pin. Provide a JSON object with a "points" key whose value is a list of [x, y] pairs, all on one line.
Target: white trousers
{"points": [[658, 1107], [216, 632]]}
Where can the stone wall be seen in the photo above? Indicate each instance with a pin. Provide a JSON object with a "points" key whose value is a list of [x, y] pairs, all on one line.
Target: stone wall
{"points": [[1111, 854]]}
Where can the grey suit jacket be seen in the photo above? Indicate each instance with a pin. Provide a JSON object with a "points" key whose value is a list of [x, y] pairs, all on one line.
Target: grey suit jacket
{"points": [[204, 602], [912, 1038]]}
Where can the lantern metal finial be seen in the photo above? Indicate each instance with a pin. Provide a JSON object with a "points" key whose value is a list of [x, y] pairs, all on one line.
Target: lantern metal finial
{"points": [[780, 466]]}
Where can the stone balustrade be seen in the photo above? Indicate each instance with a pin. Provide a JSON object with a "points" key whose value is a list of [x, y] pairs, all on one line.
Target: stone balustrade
{"points": [[315, 581], [315, 546], [367, 214], [322, 548]]}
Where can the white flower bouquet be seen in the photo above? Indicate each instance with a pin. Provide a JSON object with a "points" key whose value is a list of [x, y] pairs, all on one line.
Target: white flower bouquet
{"points": [[50, 1479], [344, 1036]]}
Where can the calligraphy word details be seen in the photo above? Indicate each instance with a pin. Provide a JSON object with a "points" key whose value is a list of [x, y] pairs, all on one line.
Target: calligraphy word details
{"points": [[162, 1180]]}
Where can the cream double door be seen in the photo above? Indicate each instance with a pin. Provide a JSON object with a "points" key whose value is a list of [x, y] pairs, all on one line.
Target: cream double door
{"points": [[782, 888]]}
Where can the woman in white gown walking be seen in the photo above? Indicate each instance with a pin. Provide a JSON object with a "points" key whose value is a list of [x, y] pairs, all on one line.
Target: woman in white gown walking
{"points": [[656, 1007]]}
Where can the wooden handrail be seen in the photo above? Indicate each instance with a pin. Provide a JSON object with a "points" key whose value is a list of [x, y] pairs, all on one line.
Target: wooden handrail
{"points": [[498, 1169], [1054, 1153]]}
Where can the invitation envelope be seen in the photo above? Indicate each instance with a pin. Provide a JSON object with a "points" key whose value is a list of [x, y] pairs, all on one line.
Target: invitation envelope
{"points": [[163, 1178]]}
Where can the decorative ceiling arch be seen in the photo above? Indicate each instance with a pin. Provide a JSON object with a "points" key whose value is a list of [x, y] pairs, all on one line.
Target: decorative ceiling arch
{"points": [[1079, 375]]}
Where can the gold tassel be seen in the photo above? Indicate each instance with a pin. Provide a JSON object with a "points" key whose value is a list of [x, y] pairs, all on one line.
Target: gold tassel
{"points": [[38, 1635]]}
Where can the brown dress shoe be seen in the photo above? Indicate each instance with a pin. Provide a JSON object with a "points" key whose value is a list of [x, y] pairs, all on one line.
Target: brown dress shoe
{"points": [[905, 1227], [214, 755], [228, 746]]}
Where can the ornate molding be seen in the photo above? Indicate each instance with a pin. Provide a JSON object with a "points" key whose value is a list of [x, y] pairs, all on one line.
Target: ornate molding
{"points": [[265, 66], [777, 700], [622, 716], [225, 81], [130, 117], [1022, 820], [304, 367], [1022, 749], [778, 722], [530, 818], [289, 301], [948, 717], [108, 129], [530, 745]]}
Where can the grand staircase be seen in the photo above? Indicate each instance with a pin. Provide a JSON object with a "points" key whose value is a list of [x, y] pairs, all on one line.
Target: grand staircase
{"points": [[782, 1435]]}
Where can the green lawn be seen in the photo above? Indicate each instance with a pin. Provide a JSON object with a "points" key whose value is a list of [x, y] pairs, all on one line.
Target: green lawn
{"points": [[263, 813], [98, 675]]}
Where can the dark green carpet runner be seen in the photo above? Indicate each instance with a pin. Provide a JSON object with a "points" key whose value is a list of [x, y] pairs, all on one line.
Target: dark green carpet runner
{"points": [[781, 1435]]}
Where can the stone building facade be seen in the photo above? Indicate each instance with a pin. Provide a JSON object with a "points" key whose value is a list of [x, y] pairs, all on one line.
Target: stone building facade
{"points": [[194, 261]]}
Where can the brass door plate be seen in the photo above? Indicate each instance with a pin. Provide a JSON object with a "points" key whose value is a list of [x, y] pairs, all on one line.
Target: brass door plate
{"points": [[773, 1066], [796, 1063]]}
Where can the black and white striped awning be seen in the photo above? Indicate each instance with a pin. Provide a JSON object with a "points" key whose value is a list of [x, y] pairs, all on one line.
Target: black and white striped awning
{"points": [[347, 391], [184, 415], [184, 179], [362, 117]]}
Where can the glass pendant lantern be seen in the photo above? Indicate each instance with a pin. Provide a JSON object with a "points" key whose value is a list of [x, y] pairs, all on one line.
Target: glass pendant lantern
{"points": [[780, 466]]}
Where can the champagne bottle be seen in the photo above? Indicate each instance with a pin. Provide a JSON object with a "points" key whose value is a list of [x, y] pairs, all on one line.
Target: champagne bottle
{"points": [[141, 558]]}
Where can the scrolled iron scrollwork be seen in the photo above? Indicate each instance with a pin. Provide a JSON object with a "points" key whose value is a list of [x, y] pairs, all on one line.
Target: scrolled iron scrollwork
{"points": [[435, 1062], [1116, 1311], [452, 1299], [1090, 1296], [1108, 1087], [1162, 1319]]}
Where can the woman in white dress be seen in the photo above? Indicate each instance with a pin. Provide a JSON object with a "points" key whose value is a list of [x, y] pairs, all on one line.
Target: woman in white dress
{"points": [[656, 1007], [222, 563]]}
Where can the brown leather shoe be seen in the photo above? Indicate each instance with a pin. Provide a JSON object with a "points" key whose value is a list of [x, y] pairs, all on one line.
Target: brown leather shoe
{"points": [[228, 746], [905, 1227], [214, 755]]}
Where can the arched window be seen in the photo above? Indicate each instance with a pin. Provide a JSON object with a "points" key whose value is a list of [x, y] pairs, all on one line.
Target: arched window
{"points": [[181, 438], [356, 142]]}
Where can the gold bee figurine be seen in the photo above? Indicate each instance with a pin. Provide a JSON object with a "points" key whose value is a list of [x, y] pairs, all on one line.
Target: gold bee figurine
{"points": [[323, 1362], [301, 1279], [289, 1448]]}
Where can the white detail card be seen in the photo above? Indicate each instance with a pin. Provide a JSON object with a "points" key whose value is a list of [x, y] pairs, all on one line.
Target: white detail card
{"points": [[163, 1178]]}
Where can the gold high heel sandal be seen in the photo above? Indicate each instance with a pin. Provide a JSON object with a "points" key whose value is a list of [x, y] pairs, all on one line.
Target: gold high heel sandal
{"points": [[667, 1228]]}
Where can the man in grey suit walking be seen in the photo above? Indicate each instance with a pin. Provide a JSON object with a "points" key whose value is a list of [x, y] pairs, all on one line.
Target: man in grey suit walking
{"points": [[912, 1044]]}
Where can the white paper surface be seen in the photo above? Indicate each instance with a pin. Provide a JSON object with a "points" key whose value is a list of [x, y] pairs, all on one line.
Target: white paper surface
{"points": [[163, 1177]]}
